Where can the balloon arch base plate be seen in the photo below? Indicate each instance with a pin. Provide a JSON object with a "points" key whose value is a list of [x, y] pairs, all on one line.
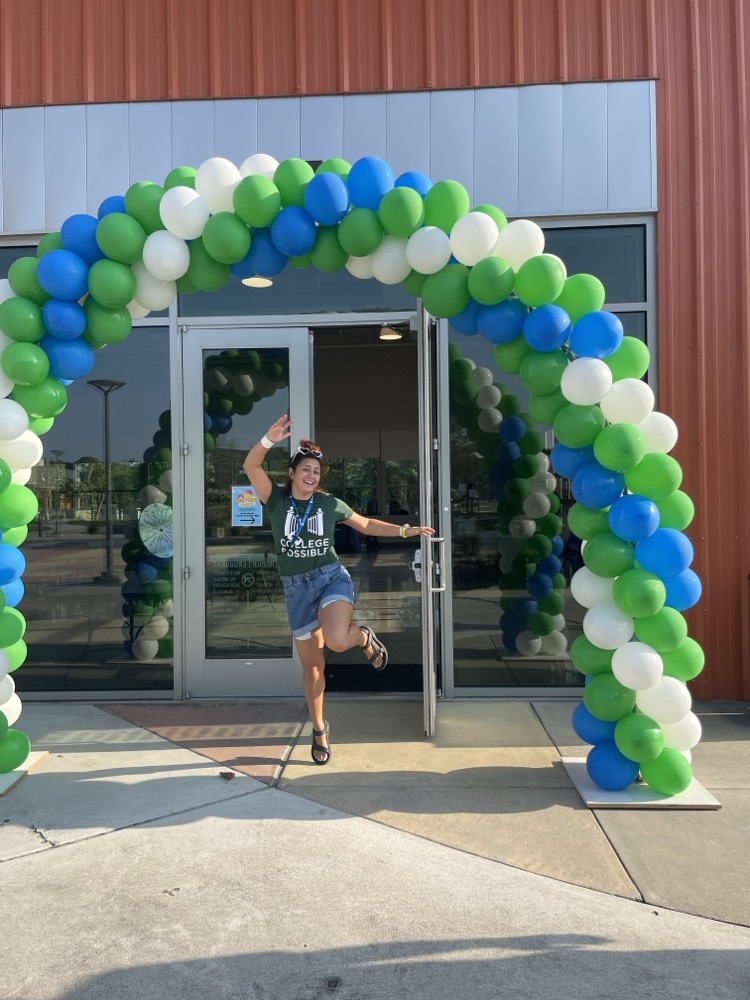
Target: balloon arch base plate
{"points": [[637, 795], [9, 779]]}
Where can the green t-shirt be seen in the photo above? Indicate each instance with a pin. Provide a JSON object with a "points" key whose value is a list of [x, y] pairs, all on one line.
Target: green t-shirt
{"points": [[301, 551]]}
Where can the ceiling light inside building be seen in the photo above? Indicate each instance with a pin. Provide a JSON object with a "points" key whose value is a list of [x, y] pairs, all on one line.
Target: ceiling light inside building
{"points": [[257, 282], [389, 333]]}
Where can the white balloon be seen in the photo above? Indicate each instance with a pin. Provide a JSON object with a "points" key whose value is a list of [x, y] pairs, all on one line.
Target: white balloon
{"points": [[165, 481], [489, 420], [528, 644], [12, 709], [559, 622], [666, 701], [6, 385], [168, 608], [136, 310], [428, 250], [543, 461], [151, 494], [259, 163], [488, 397], [608, 627], [554, 644], [217, 379], [145, 649], [165, 255], [586, 381], [183, 212], [473, 237], [6, 292], [14, 420], [21, 476], [4, 664], [659, 432], [151, 292], [156, 628], [521, 527], [506, 563], [536, 505], [389, 263], [629, 401], [589, 589], [518, 241], [637, 665], [682, 735], [243, 384], [360, 267], [215, 181], [481, 376], [23, 452], [7, 689]]}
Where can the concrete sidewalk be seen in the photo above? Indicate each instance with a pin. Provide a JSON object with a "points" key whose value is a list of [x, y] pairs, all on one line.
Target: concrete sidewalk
{"points": [[118, 882]]}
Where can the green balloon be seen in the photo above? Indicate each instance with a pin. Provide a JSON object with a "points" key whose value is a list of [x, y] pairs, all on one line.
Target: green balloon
{"points": [[301, 262], [446, 293], [414, 283], [607, 555], [607, 699], [401, 211], [25, 364], [559, 581], [630, 360], [509, 356], [18, 506], [142, 201], [226, 238], [516, 488], [460, 370], [491, 280], [555, 503], [669, 774], [444, 204], [578, 426], [121, 237], [21, 319], [581, 294], [47, 399], [6, 476], [464, 393], [494, 213], [180, 177], [665, 631], [112, 284], [541, 371], [105, 326], [538, 547], [639, 593], [545, 407], [185, 286], [551, 525], [531, 443], [291, 178], [256, 201], [552, 604], [619, 447], [587, 522], [540, 623], [335, 165], [656, 476], [12, 626], [510, 405], [526, 466], [3, 727], [684, 663], [675, 511], [51, 241], [589, 659], [205, 272], [327, 254], [360, 232], [540, 280], [40, 425], [639, 737], [16, 654], [15, 747], [24, 282], [15, 536]]}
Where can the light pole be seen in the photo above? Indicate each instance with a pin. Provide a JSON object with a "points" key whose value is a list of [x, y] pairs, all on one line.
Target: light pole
{"points": [[105, 386], [57, 452]]}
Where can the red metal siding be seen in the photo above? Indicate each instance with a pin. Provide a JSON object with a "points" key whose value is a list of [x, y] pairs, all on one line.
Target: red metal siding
{"points": [[697, 50]]}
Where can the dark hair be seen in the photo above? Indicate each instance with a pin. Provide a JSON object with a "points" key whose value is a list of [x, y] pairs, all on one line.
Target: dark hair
{"points": [[306, 449]]}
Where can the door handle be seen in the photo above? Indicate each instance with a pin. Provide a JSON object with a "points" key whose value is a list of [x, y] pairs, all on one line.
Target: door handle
{"points": [[439, 564]]}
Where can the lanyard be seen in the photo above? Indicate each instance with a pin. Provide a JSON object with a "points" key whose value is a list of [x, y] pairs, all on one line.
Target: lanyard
{"points": [[301, 519]]}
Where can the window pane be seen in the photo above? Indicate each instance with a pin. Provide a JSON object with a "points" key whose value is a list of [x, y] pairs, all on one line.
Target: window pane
{"points": [[615, 254], [634, 324]]}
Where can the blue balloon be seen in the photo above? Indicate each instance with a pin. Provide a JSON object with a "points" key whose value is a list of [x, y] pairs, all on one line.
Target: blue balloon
{"points": [[594, 486], [610, 769], [567, 461], [63, 319], [502, 322], [293, 231], [633, 517], [14, 593], [221, 423], [208, 421], [550, 565], [683, 590], [262, 258], [596, 335], [524, 606], [590, 729], [68, 359], [539, 585], [327, 198], [163, 438], [466, 321], [665, 552], [414, 179], [512, 428], [78, 234], [558, 545], [507, 452], [369, 179], [159, 561], [63, 274], [115, 203], [149, 455], [546, 328], [145, 571], [12, 563]]}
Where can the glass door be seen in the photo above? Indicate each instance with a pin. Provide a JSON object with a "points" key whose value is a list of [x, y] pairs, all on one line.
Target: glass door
{"points": [[237, 381]]}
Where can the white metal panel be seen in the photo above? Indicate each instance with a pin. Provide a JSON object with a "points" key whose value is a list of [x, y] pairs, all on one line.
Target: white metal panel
{"points": [[496, 148], [236, 129], [540, 150], [452, 137], [150, 132], [64, 163], [632, 158], [2, 226], [23, 170], [107, 157], [584, 130], [408, 132], [279, 127], [322, 127], [192, 133], [364, 126]]}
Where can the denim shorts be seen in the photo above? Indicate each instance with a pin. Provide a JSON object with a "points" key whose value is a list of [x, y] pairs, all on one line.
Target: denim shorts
{"points": [[307, 593]]}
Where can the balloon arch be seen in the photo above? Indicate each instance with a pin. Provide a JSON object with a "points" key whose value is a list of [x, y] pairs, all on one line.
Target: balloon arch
{"points": [[491, 278]]}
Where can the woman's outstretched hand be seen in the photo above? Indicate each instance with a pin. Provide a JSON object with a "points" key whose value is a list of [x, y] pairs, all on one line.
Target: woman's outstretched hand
{"points": [[419, 529], [280, 430]]}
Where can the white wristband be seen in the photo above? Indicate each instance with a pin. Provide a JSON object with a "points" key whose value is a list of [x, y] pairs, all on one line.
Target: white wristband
{"points": [[266, 442]]}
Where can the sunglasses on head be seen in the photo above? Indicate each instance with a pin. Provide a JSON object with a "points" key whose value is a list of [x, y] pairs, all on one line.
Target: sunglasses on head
{"points": [[313, 452]]}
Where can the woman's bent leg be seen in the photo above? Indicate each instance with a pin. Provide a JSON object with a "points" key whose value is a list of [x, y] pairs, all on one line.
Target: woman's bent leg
{"points": [[340, 633], [312, 654]]}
